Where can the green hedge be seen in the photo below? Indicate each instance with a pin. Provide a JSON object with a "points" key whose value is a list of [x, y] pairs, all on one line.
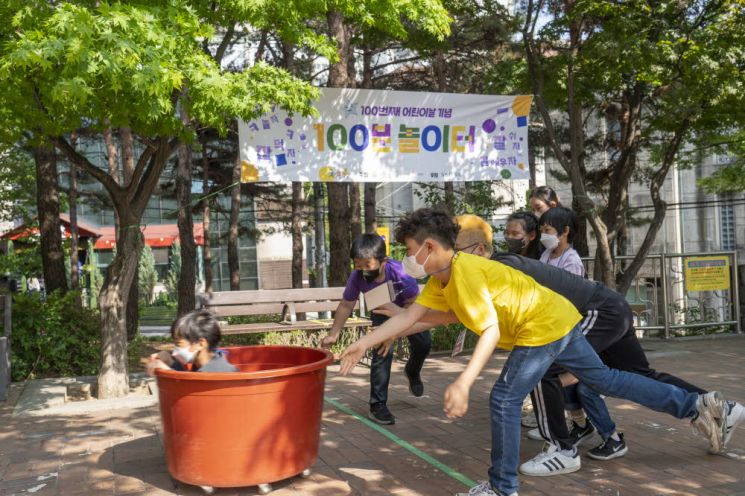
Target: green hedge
{"points": [[53, 337]]}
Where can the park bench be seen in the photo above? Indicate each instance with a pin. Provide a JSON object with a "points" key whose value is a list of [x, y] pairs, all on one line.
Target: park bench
{"points": [[5, 303], [291, 306]]}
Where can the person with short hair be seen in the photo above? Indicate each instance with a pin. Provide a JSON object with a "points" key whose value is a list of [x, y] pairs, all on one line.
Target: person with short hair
{"points": [[374, 268], [509, 309], [558, 227], [196, 336]]}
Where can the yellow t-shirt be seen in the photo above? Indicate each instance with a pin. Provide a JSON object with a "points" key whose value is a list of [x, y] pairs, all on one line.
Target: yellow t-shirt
{"points": [[483, 292]]}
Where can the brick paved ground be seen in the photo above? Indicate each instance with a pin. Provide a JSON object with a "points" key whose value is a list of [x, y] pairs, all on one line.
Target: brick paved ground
{"points": [[119, 452]]}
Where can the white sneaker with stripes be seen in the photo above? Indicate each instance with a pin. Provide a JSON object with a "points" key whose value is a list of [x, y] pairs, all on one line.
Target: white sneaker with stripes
{"points": [[552, 461], [735, 416]]}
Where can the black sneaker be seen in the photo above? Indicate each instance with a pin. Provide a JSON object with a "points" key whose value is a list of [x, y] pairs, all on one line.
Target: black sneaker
{"points": [[380, 414], [609, 449], [415, 382], [579, 435]]}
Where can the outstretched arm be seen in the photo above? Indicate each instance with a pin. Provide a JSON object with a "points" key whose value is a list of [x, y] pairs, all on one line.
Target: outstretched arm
{"points": [[456, 394], [392, 328], [343, 311]]}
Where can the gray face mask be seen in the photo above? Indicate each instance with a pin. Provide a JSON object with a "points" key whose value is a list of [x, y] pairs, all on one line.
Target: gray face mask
{"points": [[515, 245]]}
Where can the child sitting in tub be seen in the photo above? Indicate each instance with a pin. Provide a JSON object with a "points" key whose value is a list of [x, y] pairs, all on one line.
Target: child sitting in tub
{"points": [[195, 335]]}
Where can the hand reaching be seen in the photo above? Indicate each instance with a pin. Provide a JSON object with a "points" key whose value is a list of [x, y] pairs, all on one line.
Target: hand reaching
{"points": [[329, 340], [456, 400], [350, 357], [385, 347]]}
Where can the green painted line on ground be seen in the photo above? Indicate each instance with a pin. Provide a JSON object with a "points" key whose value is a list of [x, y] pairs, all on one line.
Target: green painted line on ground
{"points": [[450, 472]]}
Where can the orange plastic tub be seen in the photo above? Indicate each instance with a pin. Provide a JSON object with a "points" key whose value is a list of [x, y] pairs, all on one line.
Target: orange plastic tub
{"points": [[247, 428]]}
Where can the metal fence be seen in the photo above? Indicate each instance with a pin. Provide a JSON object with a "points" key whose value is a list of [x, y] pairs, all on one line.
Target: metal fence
{"points": [[666, 304]]}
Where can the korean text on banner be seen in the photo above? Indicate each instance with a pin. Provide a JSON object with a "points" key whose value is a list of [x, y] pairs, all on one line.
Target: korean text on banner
{"points": [[394, 136]]}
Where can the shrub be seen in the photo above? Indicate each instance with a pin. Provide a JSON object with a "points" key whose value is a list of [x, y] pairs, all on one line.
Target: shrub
{"points": [[53, 337]]}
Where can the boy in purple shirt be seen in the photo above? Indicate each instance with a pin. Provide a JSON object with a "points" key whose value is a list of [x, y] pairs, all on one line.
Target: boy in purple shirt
{"points": [[372, 269]]}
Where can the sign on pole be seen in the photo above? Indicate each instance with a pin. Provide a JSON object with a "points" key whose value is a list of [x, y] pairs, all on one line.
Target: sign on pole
{"points": [[707, 273], [385, 233], [374, 135]]}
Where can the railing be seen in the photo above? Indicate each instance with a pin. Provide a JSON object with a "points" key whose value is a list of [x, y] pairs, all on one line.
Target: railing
{"points": [[670, 301]]}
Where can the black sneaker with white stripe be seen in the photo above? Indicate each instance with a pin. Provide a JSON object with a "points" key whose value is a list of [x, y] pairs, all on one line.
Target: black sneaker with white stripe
{"points": [[552, 461], [579, 435], [609, 449]]}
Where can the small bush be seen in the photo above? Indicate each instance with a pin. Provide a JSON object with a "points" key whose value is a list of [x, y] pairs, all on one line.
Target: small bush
{"points": [[53, 337]]}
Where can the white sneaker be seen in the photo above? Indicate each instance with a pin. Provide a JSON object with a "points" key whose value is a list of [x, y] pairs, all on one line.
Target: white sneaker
{"points": [[528, 420], [711, 419], [535, 435], [551, 461], [483, 489], [735, 416]]}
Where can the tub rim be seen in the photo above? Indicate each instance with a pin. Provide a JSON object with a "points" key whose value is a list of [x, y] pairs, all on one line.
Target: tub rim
{"points": [[258, 374]]}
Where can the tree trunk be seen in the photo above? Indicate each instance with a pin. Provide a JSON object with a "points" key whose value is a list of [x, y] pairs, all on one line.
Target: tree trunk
{"points": [[188, 277], [580, 237], [297, 234], [129, 203], [48, 210], [604, 268], [128, 167], [235, 213], [338, 204], [320, 233], [113, 380], [72, 199], [340, 33], [573, 165], [371, 223], [355, 219], [206, 249], [339, 233], [660, 206], [450, 197]]}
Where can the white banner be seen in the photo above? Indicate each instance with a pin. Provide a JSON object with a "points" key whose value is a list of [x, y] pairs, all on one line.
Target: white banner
{"points": [[378, 136]]}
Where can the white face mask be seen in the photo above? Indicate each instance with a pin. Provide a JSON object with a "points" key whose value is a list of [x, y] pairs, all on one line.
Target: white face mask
{"points": [[412, 267], [549, 241], [183, 354]]}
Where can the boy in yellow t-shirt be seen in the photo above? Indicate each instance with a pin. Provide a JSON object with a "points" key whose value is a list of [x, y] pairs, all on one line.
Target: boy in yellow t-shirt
{"points": [[509, 309]]}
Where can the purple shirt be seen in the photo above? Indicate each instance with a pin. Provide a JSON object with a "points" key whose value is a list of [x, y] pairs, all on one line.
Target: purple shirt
{"points": [[569, 261], [404, 286]]}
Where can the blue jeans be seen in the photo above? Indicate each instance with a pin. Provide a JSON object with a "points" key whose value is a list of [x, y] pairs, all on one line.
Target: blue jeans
{"points": [[524, 369], [580, 396]]}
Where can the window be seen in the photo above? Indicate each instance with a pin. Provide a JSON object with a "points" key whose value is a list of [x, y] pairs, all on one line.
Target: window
{"points": [[727, 223]]}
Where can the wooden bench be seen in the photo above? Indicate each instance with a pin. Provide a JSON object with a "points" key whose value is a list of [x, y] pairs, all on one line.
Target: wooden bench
{"points": [[287, 304]]}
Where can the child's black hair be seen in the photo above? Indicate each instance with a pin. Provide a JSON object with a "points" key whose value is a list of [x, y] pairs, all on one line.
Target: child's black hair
{"points": [[425, 223], [530, 225], [368, 246], [546, 194], [196, 325], [560, 218]]}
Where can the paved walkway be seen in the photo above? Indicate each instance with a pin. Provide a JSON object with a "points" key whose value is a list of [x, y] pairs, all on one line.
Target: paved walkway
{"points": [[119, 451]]}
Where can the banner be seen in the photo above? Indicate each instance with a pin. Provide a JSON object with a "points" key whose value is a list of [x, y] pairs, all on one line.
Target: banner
{"points": [[706, 273], [379, 136]]}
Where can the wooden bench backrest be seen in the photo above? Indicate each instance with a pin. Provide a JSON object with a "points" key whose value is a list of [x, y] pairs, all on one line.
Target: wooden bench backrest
{"points": [[274, 301]]}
